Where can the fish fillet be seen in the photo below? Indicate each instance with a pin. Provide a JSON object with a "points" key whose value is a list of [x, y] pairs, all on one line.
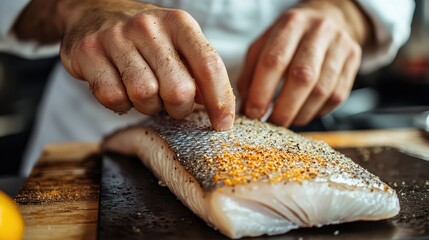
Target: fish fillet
{"points": [[256, 178]]}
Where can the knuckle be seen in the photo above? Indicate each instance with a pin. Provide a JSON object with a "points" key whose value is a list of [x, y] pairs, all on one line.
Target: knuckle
{"points": [[337, 98], [324, 24], [142, 22], [181, 18], [88, 44], [144, 93], [180, 94], [330, 71], [130, 73], [181, 15], [111, 98], [303, 75], [292, 15], [321, 90], [211, 64], [346, 41], [343, 36], [355, 51], [108, 96], [275, 58], [113, 33]]}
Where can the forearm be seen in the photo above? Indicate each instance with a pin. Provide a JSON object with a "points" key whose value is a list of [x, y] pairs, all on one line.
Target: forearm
{"points": [[39, 22], [46, 21]]}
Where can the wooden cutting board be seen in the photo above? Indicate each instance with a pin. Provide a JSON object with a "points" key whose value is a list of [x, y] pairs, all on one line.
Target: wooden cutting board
{"points": [[60, 198]]}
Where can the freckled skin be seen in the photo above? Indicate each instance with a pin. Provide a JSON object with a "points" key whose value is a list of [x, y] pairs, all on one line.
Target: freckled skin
{"points": [[135, 55]]}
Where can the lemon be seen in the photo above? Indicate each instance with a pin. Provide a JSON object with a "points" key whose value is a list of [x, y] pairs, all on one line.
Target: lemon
{"points": [[11, 222]]}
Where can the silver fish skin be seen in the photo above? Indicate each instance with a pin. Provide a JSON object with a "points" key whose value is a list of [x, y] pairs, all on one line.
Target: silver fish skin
{"points": [[256, 178]]}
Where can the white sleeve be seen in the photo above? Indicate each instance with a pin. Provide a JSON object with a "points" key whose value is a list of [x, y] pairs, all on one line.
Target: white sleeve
{"points": [[392, 26], [9, 12]]}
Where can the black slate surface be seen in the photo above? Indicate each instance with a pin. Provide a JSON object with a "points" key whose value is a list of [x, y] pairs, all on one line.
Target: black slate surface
{"points": [[134, 206]]}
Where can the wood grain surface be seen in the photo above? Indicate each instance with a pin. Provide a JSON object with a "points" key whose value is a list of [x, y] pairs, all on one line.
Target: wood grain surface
{"points": [[60, 198]]}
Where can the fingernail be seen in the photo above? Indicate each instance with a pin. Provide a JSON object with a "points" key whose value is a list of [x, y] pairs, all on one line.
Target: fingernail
{"points": [[226, 123], [253, 112]]}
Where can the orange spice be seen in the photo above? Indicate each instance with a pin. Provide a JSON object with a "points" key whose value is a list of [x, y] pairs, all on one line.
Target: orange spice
{"points": [[254, 163]]}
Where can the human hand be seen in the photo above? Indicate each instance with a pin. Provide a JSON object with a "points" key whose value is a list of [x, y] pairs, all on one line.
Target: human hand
{"points": [[316, 48], [139, 55]]}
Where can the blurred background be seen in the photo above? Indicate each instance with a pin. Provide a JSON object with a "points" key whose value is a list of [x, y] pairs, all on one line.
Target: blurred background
{"points": [[391, 97]]}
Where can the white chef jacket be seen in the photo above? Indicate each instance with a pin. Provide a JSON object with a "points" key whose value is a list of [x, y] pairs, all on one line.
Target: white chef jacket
{"points": [[69, 112]]}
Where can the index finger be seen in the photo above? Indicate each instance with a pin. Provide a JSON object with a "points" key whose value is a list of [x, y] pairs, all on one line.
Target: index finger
{"points": [[208, 70]]}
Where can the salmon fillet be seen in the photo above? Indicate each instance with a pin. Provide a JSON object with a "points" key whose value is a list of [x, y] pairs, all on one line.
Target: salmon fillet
{"points": [[256, 178]]}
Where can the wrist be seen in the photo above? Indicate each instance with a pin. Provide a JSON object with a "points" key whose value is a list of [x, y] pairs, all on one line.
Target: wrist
{"points": [[36, 22], [63, 14], [46, 21], [92, 14], [349, 15]]}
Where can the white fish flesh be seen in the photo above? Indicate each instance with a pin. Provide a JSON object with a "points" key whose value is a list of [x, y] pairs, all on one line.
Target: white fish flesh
{"points": [[256, 178]]}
